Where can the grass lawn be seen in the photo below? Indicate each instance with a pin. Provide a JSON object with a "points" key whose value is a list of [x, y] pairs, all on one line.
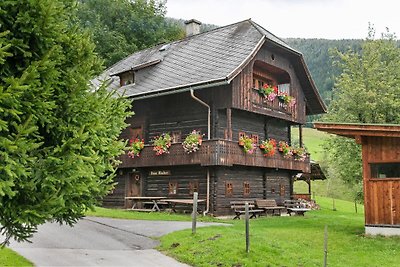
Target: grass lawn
{"points": [[10, 258], [153, 216], [287, 241]]}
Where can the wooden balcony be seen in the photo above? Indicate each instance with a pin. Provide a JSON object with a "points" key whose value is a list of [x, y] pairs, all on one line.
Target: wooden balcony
{"points": [[273, 108], [213, 153]]}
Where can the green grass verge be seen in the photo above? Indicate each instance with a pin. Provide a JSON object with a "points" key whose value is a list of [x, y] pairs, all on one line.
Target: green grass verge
{"points": [[11, 258], [287, 241], [153, 216]]}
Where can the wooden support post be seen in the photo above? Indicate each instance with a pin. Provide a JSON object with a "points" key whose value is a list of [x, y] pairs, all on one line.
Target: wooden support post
{"points": [[326, 246], [229, 123], [194, 213], [355, 204], [301, 135], [247, 218]]}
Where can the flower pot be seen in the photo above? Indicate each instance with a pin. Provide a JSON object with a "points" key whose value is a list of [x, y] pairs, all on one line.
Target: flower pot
{"points": [[262, 146], [281, 99], [241, 143]]}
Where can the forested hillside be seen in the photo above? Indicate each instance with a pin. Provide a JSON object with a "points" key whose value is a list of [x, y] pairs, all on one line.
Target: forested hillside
{"points": [[320, 60]]}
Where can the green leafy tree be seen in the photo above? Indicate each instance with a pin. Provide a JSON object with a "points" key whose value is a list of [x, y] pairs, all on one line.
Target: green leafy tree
{"points": [[122, 27], [367, 91], [58, 139]]}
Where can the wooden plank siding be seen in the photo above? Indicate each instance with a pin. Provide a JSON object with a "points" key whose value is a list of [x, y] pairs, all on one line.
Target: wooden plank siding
{"points": [[157, 185], [116, 198], [263, 184], [246, 98], [382, 195]]}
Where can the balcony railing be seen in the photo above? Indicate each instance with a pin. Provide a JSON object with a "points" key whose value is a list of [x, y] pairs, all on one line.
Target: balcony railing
{"points": [[214, 153], [261, 103]]}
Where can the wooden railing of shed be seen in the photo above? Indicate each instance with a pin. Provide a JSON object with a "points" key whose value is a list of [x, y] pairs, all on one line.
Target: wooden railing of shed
{"points": [[213, 153]]}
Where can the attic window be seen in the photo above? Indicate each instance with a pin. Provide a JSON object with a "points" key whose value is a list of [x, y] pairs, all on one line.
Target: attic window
{"points": [[127, 78]]}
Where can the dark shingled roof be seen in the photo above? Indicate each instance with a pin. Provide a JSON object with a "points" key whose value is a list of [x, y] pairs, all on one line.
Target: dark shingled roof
{"points": [[207, 59]]}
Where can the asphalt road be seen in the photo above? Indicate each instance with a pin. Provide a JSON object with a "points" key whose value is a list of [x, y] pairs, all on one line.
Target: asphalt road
{"points": [[97, 241]]}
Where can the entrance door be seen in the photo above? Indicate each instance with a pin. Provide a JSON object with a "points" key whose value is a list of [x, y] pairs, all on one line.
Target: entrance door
{"points": [[133, 188]]}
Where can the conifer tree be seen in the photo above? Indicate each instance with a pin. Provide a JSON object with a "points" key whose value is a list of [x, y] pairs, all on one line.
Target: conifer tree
{"points": [[58, 138]]}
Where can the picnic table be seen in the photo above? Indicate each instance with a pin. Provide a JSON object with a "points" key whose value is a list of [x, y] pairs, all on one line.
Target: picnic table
{"points": [[296, 206], [153, 200], [187, 202], [239, 208]]}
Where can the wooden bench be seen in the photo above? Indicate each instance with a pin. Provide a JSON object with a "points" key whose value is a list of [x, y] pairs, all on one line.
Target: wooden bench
{"points": [[269, 205], [296, 206], [239, 208]]}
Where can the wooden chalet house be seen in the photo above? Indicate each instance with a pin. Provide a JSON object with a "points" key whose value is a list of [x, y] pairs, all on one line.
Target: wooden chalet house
{"points": [[211, 82]]}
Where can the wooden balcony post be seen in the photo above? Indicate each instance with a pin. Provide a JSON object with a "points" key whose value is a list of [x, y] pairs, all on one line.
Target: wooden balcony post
{"points": [[301, 135], [229, 123]]}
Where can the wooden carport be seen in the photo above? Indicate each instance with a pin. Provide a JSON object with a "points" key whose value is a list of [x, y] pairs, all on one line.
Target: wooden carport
{"points": [[315, 174], [381, 172]]}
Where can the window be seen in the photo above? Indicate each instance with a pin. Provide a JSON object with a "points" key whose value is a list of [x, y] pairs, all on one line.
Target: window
{"points": [[228, 189], [136, 133], [282, 190], [385, 170], [272, 190], [127, 78], [176, 137], [255, 138], [246, 188], [193, 187], [284, 88], [259, 82], [172, 188]]}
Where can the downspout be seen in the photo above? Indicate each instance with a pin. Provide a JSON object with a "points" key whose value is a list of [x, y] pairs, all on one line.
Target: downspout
{"points": [[209, 112], [208, 138]]}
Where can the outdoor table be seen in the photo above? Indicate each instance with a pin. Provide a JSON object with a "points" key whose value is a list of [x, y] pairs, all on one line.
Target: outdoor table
{"points": [[154, 200], [188, 202]]}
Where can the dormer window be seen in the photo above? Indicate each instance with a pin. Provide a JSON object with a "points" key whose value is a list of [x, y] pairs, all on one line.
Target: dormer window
{"points": [[126, 78]]}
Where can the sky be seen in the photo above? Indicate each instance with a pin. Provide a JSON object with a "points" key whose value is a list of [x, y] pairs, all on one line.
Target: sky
{"points": [[328, 19]]}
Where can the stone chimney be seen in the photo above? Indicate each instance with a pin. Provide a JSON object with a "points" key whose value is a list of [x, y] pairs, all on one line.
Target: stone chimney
{"points": [[192, 27]]}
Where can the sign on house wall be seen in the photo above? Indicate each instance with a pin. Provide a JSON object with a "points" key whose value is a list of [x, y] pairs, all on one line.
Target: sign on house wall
{"points": [[160, 173]]}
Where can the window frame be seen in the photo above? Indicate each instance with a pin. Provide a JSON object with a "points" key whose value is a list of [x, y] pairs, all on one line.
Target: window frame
{"points": [[374, 174], [228, 189], [193, 187], [171, 186], [246, 189]]}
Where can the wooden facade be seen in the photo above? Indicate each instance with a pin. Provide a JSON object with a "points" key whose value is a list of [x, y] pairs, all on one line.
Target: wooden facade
{"points": [[220, 171], [381, 172]]}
